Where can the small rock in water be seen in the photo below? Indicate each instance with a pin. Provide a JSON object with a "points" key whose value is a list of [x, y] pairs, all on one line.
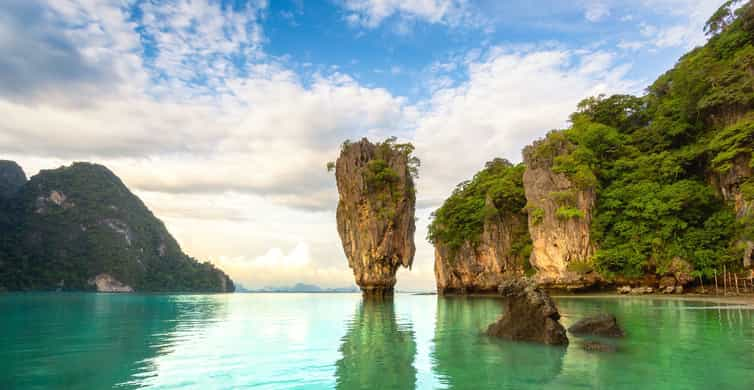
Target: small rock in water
{"points": [[602, 324], [530, 315], [596, 346], [624, 289]]}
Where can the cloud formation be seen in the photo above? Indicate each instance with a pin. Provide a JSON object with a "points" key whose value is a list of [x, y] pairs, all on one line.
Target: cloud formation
{"points": [[370, 13], [228, 143]]}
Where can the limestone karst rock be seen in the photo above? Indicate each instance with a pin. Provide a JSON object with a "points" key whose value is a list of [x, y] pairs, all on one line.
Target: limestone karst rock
{"points": [[530, 315], [560, 215], [80, 228], [481, 267], [375, 213], [480, 232], [602, 324]]}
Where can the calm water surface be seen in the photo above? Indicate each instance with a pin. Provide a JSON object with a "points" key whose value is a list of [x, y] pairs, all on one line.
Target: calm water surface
{"points": [[322, 341]]}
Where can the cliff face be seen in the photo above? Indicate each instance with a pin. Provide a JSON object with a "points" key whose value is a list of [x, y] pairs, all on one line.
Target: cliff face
{"points": [[80, 228], [729, 185], [376, 212], [12, 178], [560, 215], [482, 267]]}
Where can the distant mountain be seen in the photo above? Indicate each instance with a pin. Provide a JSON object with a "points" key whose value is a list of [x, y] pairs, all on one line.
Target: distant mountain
{"points": [[301, 288], [80, 228]]}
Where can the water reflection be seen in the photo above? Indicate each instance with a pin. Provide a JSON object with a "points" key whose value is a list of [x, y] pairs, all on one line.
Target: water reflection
{"points": [[464, 355], [377, 351], [90, 341]]}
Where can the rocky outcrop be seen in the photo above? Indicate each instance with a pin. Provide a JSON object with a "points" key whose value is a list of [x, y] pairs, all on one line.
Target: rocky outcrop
{"points": [[107, 283], [596, 346], [375, 213], [530, 315], [481, 267], [12, 178], [603, 324], [560, 215], [80, 228], [729, 186]]}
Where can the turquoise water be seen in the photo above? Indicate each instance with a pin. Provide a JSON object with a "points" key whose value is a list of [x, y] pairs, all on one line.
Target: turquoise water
{"points": [[322, 341]]}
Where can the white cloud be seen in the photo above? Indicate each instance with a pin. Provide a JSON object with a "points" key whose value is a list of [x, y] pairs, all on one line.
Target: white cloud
{"points": [[686, 34], [511, 97], [298, 257], [596, 11], [240, 170], [370, 13]]}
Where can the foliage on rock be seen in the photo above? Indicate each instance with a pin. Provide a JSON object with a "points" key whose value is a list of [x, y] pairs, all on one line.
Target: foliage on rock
{"points": [[462, 216]]}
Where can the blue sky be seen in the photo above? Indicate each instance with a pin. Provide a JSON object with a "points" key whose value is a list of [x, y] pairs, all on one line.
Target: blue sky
{"points": [[222, 114]]}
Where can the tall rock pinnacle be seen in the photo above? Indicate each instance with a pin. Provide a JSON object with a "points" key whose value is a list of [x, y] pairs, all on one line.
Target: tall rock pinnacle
{"points": [[376, 211]]}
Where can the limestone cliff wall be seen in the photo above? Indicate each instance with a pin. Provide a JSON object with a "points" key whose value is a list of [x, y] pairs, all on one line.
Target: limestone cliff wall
{"points": [[557, 241], [728, 185], [375, 213], [481, 267]]}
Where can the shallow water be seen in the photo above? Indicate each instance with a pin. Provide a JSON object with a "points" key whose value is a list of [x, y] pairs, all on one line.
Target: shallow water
{"points": [[313, 341]]}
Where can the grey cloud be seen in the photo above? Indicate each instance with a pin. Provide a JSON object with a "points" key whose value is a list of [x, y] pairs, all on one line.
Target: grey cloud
{"points": [[39, 60]]}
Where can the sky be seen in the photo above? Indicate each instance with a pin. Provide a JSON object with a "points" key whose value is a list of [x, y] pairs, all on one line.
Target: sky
{"points": [[221, 115]]}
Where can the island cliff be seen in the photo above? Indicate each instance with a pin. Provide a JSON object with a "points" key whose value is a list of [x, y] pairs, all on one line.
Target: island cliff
{"points": [[654, 191], [475, 252], [560, 216], [80, 228], [375, 213]]}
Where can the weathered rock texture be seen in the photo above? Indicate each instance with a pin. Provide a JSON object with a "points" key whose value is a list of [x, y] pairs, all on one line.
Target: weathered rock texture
{"points": [[729, 184], [557, 241], [602, 324], [482, 267], [530, 315], [375, 213], [12, 178]]}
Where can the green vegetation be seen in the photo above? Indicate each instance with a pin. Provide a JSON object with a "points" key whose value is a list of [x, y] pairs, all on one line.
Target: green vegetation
{"points": [[496, 191], [581, 267], [69, 224], [383, 182], [649, 158], [568, 212], [537, 215]]}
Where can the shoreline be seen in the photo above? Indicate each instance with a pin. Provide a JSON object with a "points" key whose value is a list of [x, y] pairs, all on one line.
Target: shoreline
{"points": [[747, 300]]}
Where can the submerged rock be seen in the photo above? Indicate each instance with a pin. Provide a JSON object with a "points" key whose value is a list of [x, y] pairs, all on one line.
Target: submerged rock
{"points": [[596, 346], [602, 324], [530, 315], [376, 211]]}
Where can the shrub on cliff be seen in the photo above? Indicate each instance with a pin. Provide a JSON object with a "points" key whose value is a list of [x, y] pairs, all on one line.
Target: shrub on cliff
{"points": [[496, 190], [649, 158]]}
